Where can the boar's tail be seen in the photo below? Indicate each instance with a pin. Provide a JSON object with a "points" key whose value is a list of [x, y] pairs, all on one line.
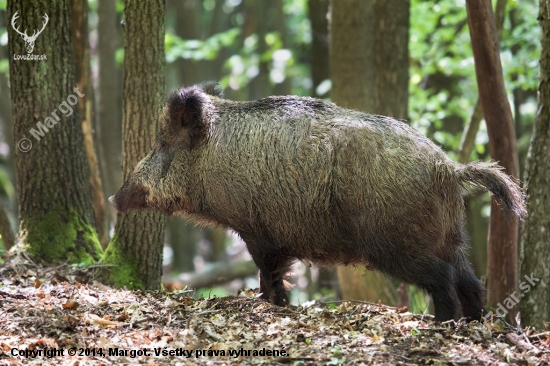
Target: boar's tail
{"points": [[503, 188]]}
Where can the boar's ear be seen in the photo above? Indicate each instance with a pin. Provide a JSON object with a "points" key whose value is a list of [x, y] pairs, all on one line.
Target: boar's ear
{"points": [[185, 111], [212, 88]]}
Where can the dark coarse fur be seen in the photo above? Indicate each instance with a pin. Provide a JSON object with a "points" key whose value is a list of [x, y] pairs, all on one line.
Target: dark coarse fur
{"points": [[300, 178]]}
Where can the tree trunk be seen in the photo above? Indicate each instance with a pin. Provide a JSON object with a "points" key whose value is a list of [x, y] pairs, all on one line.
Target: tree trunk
{"points": [[535, 249], [351, 66], [187, 26], [138, 240], [183, 240], [390, 52], [109, 101], [5, 229], [279, 26], [57, 219], [468, 139], [6, 124], [81, 52], [369, 69], [317, 13], [502, 243], [257, 13], [477, 226]]}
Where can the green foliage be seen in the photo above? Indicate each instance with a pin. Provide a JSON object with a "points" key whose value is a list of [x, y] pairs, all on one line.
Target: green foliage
{"points": [[197, 50], [5, 62], [93, 6], [520, 46], [443, 82], [286, 59], [417, 302], [442, 65], [6, 188], [243, 66]]}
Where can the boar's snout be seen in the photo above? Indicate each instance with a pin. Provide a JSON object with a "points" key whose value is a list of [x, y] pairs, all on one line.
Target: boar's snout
{"points": [[130, 196]]}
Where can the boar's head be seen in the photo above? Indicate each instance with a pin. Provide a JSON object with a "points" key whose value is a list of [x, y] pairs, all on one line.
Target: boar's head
{"points": [[160, 181]]}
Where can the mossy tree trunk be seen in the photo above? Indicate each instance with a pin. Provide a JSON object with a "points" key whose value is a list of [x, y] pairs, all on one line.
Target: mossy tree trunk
{"points": [[535, 249], [136, 246], [57, 219], [369, 69]]}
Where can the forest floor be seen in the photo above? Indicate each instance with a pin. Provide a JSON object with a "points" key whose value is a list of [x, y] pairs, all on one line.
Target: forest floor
{"points": [[61, 316]]}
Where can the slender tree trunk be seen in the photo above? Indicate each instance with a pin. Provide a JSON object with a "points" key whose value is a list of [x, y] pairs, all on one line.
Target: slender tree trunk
{"points": [[182, 235], [109, 101], [219, 22], [502, 244], [468, 139], [477, 226], [256, 23], [81, 52], [183, 240], [5, 229], [472, 127], [6, 123], [319, 64], [535, 249], [187, 27], [279, 26], [138, 240], [57, 219], [369, 69]]}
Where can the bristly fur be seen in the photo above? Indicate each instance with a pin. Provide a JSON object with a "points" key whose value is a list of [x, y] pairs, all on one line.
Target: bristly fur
{"points": [[212, 88], [301, 178], [492, 177]]}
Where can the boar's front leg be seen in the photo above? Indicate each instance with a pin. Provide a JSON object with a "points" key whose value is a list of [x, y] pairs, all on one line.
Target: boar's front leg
{"points": [[273, 266]]}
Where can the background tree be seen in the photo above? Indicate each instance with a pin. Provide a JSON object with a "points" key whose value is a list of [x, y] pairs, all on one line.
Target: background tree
{"points": [[472, 127], [369, 70], [109, 101], [137, 243], [83, 71], [502, 258], [55, 203], [5, 229], [535, 249], [319, 59]]}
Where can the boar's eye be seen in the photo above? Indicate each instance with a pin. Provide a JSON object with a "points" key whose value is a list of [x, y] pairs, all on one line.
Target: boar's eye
{"points": [[162, 145]]}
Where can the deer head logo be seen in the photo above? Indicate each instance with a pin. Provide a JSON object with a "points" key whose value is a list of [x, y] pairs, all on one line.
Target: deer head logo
{"points": [[29, 40]]}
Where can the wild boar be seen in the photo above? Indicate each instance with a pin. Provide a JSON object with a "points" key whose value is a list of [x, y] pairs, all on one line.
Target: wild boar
{"points": [[303, 179]]}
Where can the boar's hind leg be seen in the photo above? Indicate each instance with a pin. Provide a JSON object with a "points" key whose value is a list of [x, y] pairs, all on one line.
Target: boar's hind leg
{"points": [[433, 275], [273, 266], [469, 289], [272, 271], [471, 294], [438, 278]]}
